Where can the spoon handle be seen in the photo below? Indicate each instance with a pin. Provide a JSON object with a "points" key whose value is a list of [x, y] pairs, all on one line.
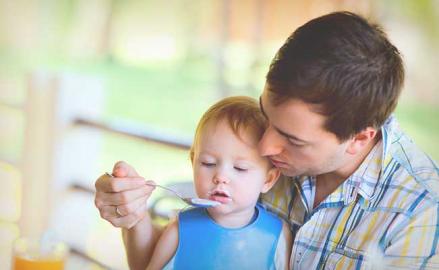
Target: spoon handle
{"points": [[168, 189], [156, 185]]}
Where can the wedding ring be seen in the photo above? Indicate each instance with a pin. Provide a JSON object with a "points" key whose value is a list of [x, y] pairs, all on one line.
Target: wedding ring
{"points": [[118, 212]]}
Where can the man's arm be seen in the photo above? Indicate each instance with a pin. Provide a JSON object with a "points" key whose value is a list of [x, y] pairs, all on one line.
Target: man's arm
{"points": [[122, 200]]}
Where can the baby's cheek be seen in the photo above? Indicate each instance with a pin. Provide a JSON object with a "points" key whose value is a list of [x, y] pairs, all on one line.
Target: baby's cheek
{"points": [[249, 194], [200, 190]]}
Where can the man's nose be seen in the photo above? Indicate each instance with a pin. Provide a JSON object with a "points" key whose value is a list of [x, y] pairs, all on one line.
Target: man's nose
{"points": [[270, 144]]}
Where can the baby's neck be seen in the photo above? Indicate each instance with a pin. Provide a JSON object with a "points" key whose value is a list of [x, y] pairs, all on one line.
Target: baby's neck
{"points": [[234, 220]]}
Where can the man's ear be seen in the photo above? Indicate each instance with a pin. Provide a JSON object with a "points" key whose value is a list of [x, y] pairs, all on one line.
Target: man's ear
{"points": [[361, 140], [272, 176]]}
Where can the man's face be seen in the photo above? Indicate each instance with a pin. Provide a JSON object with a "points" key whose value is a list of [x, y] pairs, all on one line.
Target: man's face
{"points": [[296, 141]]}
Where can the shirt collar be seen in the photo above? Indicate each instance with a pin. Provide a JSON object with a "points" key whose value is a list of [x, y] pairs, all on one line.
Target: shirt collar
{"points": [[364, 181]]}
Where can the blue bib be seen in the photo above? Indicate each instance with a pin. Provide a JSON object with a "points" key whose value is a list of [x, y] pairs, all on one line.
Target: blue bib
{"points": [[203, 244]]}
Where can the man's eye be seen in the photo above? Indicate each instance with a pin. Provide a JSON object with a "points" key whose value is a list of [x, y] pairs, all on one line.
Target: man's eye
{"points": [[239, 169], [295, 144], [208, 164]]}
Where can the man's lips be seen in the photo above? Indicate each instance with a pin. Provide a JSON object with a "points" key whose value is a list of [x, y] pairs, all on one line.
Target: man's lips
{"points": [[278, 163]]}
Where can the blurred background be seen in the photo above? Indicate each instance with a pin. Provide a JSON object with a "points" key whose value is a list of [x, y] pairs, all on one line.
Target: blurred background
{"points": [[85, 83]]}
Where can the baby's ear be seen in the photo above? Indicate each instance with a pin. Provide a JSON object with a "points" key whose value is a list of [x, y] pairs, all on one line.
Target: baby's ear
{"points": [[272, 176]]}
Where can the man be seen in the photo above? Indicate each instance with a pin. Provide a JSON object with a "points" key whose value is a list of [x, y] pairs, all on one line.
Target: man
{"points": [[356, 191]]}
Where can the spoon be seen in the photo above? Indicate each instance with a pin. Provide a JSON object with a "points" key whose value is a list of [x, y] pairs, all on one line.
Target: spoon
{"points": [[197, 202]]}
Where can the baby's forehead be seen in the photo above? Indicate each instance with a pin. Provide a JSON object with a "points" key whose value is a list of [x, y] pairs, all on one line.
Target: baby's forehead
{"points": [[244, 134], [248, 133]]}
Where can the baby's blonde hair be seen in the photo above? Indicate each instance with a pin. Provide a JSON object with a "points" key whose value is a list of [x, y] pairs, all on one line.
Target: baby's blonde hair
{"points": [[241, 113]]}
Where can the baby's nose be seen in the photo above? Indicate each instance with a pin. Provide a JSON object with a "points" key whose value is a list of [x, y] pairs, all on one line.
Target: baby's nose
{"points": [[220, 179]]}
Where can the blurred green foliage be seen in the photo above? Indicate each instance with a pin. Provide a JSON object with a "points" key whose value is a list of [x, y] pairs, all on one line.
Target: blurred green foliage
{"points": [[171, 95], [175, 98], [172, 98]]}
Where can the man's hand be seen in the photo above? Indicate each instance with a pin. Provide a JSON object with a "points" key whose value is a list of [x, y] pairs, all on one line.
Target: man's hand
{"points": [[121, 199]]}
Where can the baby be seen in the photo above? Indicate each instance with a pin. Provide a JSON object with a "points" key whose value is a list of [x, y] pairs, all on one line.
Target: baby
{"points": [[239, 233]]}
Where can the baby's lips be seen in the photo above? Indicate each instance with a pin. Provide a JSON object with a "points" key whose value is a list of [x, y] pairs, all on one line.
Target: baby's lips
{"points": [[220, 192], [220, 199]]}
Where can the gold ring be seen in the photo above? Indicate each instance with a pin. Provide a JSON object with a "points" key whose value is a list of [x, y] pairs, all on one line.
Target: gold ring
{"points": [[118, 212]]}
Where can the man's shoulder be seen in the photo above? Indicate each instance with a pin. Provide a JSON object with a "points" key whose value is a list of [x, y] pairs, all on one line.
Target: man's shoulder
{"points": [[408, 171], [414, 164], [401, 190]]}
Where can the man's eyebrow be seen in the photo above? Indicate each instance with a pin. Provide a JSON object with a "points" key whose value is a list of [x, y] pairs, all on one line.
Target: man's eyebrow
{"points": [[289, 136], [283, 133]]}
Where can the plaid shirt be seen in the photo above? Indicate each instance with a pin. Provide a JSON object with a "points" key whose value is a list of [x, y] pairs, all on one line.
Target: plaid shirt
{"points": [[384, 216]]}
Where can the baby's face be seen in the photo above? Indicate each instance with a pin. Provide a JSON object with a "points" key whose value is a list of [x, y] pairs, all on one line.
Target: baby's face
{"points": [[229, 169]]}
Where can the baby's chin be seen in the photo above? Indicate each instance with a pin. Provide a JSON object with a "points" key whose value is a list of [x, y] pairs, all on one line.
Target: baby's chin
{"points": [[217, 211]]}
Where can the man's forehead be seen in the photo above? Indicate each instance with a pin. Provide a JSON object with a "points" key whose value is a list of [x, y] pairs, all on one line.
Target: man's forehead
{"points": [[265, 91], [268, 97], [260, 103], [263, 98], [261, 106], [293, 118]]}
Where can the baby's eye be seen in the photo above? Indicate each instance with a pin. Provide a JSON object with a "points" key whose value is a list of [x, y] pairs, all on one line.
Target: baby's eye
{"points": [[207, 164], [240, 169]]}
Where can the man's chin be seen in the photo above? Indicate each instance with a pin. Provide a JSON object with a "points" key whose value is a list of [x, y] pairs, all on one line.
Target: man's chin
{"points": [[290, 172]]}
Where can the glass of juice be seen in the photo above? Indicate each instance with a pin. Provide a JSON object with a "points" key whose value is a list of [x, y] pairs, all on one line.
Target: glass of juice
{"points": [[35, 254]]}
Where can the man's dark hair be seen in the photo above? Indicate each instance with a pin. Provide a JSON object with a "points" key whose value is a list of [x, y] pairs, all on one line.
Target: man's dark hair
{"points": [[344, 65]]}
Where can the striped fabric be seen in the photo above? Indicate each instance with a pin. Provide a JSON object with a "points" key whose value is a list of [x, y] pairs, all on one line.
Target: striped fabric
{"points": [[385, 216]]}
